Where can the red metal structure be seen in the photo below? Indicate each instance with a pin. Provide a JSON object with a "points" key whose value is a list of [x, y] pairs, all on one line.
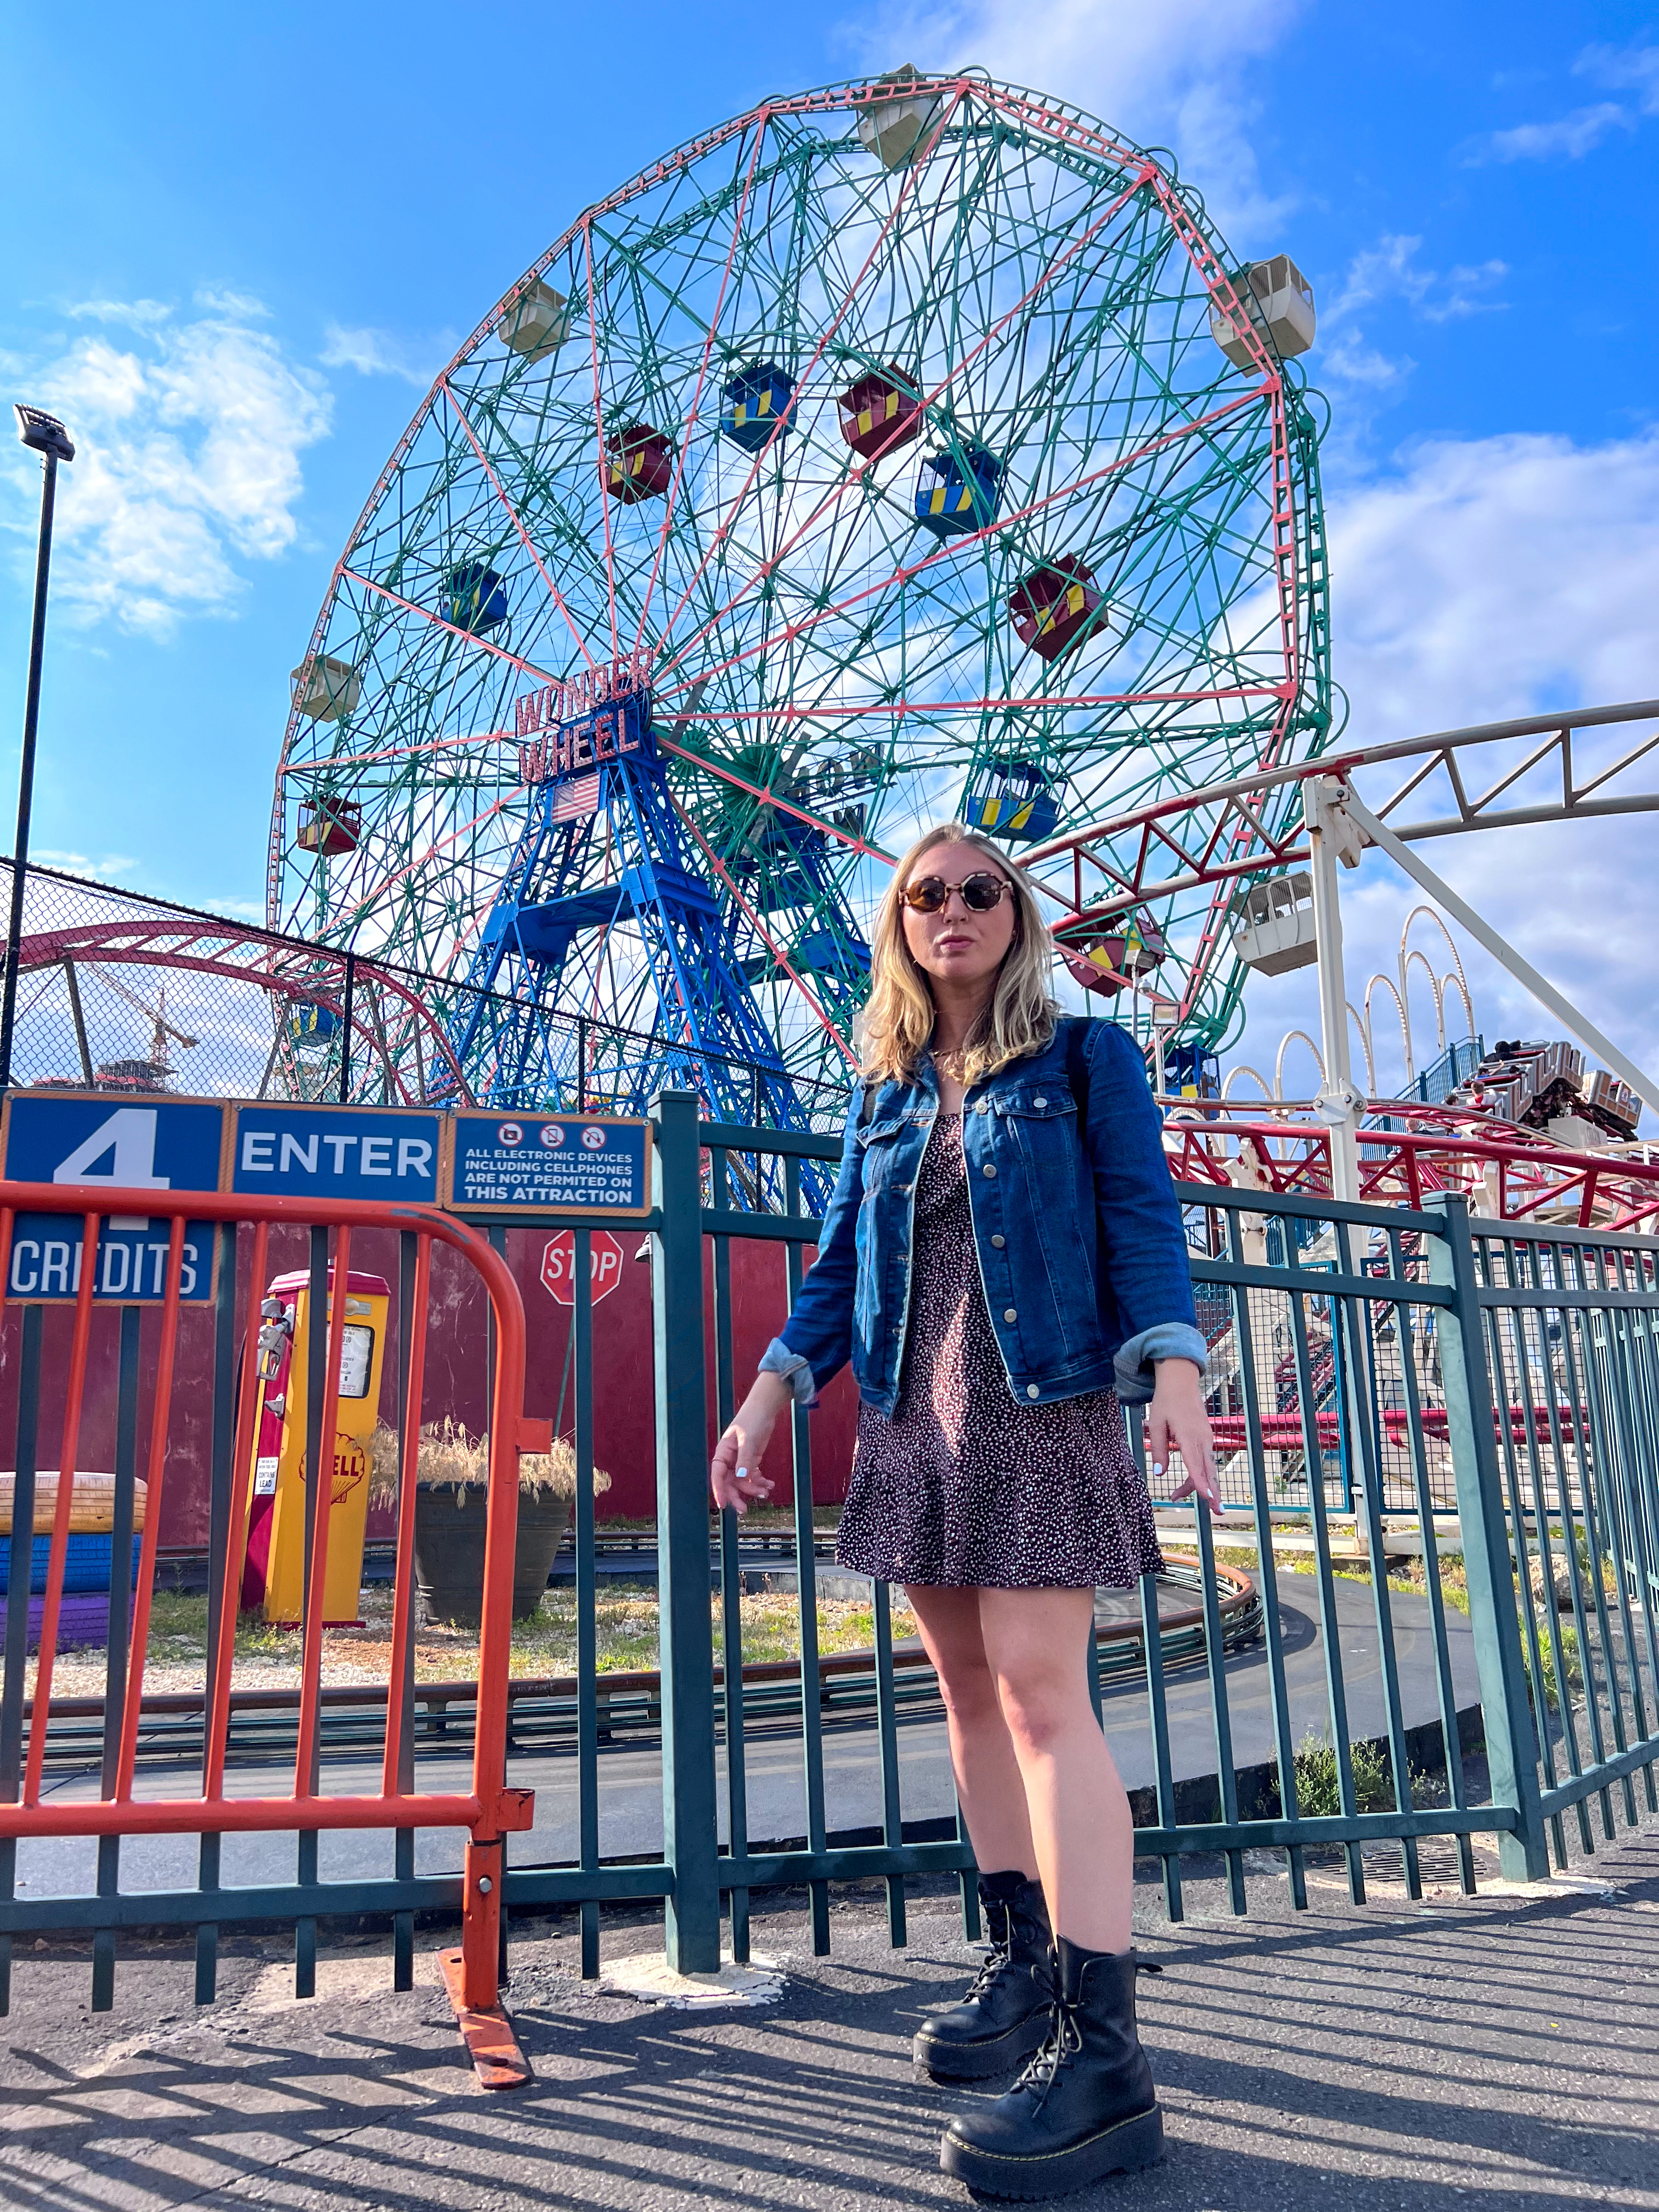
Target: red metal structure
{"points": [[389, 1011], [488, 1810], [1506, 1171]]}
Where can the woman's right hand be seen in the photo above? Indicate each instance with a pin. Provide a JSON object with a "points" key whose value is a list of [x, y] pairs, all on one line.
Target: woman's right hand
{"points": [[734, 1474]]}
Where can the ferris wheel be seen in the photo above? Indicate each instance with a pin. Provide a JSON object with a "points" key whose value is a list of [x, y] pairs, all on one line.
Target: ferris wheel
{"points": [[904, 450]]}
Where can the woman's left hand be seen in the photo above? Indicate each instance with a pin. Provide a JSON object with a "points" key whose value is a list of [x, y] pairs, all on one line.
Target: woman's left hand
{"points": [[1176, 1421]]}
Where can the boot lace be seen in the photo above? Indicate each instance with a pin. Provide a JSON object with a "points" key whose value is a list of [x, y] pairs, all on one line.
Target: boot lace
{"points": [[990, 1968], [1063, 2041]]}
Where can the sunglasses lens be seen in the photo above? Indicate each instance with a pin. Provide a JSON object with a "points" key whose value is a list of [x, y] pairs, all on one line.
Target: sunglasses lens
{"points": [[928, 895], [982, 893]]}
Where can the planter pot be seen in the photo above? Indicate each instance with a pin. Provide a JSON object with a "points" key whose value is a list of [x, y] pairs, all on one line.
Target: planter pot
{"points": [[449, 1551]]}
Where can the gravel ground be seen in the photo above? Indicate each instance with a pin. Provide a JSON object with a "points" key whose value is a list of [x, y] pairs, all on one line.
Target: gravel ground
{"points": [[269, 1658], [1498, 2051]]}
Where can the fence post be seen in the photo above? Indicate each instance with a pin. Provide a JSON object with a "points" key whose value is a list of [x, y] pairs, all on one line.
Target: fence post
{"points": [[691, 1842], [1506, 1712]]}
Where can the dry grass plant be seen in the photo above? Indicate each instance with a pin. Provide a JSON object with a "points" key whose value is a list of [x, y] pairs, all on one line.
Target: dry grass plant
{"points": [[452, 1458]]}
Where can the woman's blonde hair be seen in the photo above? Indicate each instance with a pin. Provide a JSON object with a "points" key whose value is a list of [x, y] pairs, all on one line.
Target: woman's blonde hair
{"points": [[898, 1019]]}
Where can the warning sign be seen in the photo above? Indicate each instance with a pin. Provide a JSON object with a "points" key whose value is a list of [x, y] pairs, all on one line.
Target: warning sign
{"points": [[517, 1164]]}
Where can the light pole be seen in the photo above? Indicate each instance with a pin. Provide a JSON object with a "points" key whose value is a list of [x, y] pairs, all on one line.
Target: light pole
{"points": [[46, 435]]}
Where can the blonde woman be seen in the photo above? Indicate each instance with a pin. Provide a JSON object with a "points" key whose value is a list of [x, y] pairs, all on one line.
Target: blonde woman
{"points": [[1003, 1262]]}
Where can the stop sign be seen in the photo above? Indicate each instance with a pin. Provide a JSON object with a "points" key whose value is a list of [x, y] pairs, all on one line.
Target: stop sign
{"points": [[559, 1265]]}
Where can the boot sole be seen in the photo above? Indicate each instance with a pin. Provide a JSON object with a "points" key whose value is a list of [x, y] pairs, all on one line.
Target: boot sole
{"points": [[1126, 2148], [949, 2063]]}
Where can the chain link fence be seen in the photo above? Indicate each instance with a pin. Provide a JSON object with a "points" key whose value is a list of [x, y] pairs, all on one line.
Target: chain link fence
{"points": [[120, 992]]}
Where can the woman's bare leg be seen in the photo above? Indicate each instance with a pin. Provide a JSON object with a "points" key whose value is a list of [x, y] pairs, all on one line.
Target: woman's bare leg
{"points": [[1036, 1646], [989, 1781]]}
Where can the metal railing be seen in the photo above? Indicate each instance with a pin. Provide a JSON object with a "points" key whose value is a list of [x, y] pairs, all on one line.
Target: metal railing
{"points": [[1458, 1630], [206, 1810]]}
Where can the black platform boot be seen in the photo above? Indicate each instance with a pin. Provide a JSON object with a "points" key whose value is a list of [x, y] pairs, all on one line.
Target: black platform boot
{"points": [[1085, 2107], [1005, 2015]]}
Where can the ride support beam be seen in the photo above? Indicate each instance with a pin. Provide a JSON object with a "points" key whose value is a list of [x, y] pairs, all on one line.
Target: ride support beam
{"points": [[1501, 949], [1331, 839]]}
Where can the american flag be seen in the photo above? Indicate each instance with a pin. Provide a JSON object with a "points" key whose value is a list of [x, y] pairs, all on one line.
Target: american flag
{"points": [[576, 796]]}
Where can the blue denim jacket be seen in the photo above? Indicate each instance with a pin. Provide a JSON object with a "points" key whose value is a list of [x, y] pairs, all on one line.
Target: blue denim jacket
{"points": [[1080, 1248]]}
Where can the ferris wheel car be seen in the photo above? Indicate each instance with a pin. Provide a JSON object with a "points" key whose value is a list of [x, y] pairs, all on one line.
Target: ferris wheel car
{"points": [[325, 690], [309, 1024], [756, 406], [329, 826], [476, 598], [957, 491], [880, 412], [1102, 958], [1016, 802], [892, 130], [537, 323], [1279, 301], [1275, 919], [639, 464], [1054, 605]]}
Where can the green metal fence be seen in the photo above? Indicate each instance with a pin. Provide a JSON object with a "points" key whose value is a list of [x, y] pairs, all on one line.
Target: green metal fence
{"points": [[1442, 1693]]}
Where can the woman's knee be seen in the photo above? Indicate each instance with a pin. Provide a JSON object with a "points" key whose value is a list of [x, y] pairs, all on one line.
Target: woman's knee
{"points": [[966, 1686], [1041, 1711]]}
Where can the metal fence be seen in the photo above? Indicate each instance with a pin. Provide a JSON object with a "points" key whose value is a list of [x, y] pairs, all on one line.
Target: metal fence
{"points": [[121, 992], [189, 1799], [1455, 1634]]}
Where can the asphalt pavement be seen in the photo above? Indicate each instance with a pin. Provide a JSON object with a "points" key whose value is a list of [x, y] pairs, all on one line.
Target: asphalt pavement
{"points": [[1500, 2052]]}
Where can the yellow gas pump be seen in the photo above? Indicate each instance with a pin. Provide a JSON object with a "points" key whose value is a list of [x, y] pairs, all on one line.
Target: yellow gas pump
{"points": [[274, 1572]]}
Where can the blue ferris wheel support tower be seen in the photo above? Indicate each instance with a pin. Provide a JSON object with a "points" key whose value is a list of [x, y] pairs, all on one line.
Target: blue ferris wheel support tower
{"points": [[588, 756]]}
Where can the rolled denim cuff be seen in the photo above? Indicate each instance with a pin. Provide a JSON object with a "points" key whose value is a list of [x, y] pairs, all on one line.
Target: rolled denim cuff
{"points": [[1134, 1366], [778, 1359]]}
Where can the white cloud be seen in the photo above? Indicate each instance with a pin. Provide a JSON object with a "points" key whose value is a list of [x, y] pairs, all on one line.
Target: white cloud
{"points": [[111, 867], [188, 439], [1368, 378], [139, 314], [1171, 75], [1634, 68], [385, 353], [1574, 135], [1481, 579], [1487, 576], [1349, 357], [1391, 269], [239, 909]]}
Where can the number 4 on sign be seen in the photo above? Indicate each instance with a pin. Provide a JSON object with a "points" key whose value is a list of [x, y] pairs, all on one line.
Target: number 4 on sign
{"points": [[130, 1135], [559, 1265]]}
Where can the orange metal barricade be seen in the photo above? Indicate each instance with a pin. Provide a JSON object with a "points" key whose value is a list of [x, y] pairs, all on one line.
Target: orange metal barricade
{"points": [[490, 1810]]}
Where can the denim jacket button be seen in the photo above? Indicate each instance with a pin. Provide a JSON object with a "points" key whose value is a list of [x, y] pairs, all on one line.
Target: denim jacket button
{"points": [[999, 1242], [1039, 1103], [1031, 1390], [1011, 1313], [990, 1169]]}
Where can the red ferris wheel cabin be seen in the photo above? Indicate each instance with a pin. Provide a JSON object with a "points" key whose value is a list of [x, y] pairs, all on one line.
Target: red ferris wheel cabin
{"points": [[1053, 605], [639, 462], [880, 412]]}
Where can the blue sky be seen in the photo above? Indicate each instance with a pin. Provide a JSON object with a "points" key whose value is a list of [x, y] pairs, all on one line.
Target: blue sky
{"points": [[243, 240]]}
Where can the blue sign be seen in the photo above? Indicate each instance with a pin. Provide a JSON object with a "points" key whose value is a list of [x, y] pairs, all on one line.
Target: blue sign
{"points": [[335, 1152], [554, 1162], [160, 1144]]}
